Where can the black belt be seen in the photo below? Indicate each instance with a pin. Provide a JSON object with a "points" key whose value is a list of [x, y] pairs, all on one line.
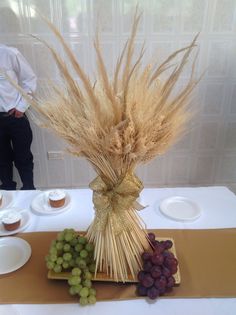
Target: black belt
{"points": [[3, 114]]}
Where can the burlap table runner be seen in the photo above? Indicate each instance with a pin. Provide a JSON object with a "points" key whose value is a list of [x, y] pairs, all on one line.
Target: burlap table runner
{"points": [[207, 266]]}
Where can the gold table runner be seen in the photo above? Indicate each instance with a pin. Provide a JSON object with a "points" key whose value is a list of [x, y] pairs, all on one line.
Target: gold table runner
{"points": [[207, 266]]}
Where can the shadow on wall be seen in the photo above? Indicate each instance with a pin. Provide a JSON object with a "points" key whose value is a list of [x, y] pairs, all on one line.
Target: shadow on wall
{"points": [[9, 22]]}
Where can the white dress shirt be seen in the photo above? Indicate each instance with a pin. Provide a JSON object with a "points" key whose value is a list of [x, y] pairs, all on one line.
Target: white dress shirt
{"points": [[15, 66]]}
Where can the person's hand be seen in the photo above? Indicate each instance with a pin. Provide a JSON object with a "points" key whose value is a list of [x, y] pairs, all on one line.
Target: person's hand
{"points": [[16, 113]]}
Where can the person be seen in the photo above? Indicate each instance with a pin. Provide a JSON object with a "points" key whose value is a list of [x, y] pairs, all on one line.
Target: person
{"points": [[15, 130]]}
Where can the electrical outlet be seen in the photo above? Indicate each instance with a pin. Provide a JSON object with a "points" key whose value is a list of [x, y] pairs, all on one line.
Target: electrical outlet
{"points": [[55, 155]]}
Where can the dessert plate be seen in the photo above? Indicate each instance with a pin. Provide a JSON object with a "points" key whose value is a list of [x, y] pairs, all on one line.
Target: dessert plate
{"points": [[7, 199], [14, 253], [180, 208], [40, 204], [25, 221]]}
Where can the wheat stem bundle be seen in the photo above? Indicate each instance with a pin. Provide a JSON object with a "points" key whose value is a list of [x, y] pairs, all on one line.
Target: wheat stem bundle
{"points": [[116, 124]]}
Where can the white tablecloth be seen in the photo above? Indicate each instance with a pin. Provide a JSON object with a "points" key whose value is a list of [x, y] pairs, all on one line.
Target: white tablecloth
{"points": [[218, 205]]}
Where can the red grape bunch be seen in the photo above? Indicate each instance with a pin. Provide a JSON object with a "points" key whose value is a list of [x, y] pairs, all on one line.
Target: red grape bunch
{"points": [[159, 266]]}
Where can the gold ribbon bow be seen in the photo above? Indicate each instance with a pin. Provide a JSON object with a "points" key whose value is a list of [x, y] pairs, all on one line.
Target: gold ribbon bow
{"points": [[113, 203]]}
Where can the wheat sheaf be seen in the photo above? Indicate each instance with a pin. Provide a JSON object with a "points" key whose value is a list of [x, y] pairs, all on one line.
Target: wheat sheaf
{"points": [[117, 123]]}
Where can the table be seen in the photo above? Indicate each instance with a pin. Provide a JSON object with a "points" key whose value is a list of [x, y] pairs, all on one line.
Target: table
{"points": [[218, 206]]}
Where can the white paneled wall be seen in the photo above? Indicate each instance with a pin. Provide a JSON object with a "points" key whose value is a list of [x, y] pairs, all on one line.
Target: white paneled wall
{"points": [[207, 153]]}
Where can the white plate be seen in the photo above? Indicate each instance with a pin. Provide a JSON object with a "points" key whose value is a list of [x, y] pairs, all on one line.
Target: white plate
{"points": [[7, 199], [41, 205], [25, 221], [14, 253], [180, 209]]}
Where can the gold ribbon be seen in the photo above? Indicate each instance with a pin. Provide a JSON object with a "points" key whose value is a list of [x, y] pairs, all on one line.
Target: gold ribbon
{"points": [[112, 203]]}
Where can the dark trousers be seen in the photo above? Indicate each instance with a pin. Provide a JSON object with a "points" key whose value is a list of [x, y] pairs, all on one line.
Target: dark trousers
{"points": [[15, 142]]}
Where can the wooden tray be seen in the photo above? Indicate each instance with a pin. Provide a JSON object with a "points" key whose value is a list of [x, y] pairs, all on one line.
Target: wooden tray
{"points": [[104, 277]]}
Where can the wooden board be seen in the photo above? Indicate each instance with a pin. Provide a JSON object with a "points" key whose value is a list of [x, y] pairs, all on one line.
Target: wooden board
{"points": [[106, 278]]}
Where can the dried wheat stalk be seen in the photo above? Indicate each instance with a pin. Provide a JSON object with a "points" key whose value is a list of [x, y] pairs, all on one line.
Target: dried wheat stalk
{"points": [[116, 124]]}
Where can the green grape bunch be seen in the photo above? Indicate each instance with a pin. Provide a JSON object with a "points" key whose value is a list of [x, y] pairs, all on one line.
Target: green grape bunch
{"points": [[73, 253]]}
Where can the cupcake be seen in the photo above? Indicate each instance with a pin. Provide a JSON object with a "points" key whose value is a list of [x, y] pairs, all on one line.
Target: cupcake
{"points": [[11, 220], [57, 198]]}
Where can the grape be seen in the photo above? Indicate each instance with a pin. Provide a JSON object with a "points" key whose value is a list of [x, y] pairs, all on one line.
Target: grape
{"points": [[151, 236], [77, 260], [168, 244], [173, 269], [59, 246], [91, 299], [168, 254], [147, 266], [169, 262], [76, 272], [83, 253], [147, 281], [141, 290], [88, 275], [83, 301], [146, 256], [57, 268], [77, 288], [87, 283], [47, 258], [73, 242], [72, 263], [67, 256], [92, 267], [68, 237], [82, 240], [70, 230], [50, 265], [161, 282], [88, 260], [92, 291], [157, 259], [141, 275], [166, 272], [78, 247], [84, 292], [159, 248], [155, 243], [66, 247], [53, 250], [65, 265], [74, 280], [156, 272], [59, 261], [74, 254], [170, 282], [89, 247], [82, 264], [53, 257], [153, 293], [72, 290]]}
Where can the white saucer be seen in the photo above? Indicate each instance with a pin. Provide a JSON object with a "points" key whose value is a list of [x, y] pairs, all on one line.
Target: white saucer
{"points": [[180, 209], [25, 221], [41, 205], [14, 253], [7, 199]]}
